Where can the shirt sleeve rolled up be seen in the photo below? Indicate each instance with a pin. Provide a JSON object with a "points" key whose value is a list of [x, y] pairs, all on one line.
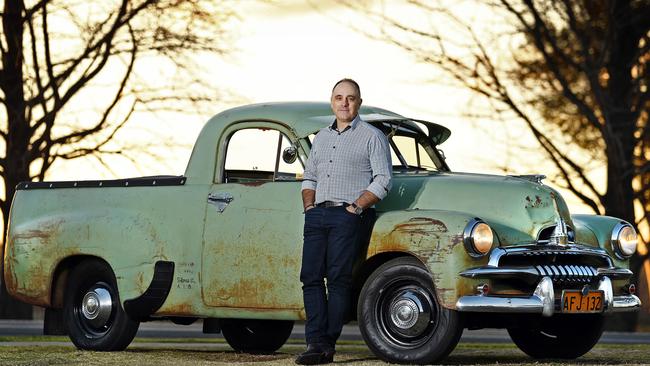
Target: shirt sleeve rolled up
{"points": [[310, 175], [381, 165]]}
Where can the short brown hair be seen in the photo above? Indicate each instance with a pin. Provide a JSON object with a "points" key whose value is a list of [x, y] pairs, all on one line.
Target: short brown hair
{"points": [[347, 80]]}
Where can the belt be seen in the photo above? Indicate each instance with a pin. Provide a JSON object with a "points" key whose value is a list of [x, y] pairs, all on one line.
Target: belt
{"points": [[328, 204]]}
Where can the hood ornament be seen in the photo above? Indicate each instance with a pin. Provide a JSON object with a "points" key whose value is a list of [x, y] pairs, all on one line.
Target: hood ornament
{"points": [[560, 235]]}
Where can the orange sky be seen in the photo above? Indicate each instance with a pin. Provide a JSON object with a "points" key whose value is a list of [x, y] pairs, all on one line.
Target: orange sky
{"points": [[285, 51]]}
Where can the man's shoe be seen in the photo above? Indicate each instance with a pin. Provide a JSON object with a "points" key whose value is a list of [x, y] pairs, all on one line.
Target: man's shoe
{"points": [[316, 354]]}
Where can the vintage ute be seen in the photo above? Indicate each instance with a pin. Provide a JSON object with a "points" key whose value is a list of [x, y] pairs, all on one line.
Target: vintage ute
{"points": [[223, 243]]}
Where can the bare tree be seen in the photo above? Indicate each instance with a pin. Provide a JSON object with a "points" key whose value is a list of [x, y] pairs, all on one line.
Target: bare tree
{"points": [[74, 72], [574, 72]]}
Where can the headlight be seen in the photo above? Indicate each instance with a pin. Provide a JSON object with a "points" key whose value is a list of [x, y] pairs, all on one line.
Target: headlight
{"points": [[624, 240], [477, 238]]}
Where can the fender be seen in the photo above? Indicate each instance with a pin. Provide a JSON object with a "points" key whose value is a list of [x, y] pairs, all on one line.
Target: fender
{"points": [[435, 237], [36, 247], [597, 231]]}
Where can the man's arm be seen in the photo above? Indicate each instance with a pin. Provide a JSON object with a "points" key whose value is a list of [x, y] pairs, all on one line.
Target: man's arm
{"points": [[382, 170], [309, 179], [308, 199], [367, 199]]}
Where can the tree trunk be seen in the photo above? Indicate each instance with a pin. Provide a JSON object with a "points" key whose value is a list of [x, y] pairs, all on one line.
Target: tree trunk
{"points": [[619, 199], [17, 140]]}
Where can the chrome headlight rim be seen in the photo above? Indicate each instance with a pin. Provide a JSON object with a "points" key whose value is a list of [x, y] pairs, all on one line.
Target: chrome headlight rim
{"points": [[468, 238], [617, 246]]}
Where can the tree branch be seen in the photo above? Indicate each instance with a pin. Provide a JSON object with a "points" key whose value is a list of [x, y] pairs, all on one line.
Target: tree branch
{"points": [[553, 152], [99, 126], [98, 60], [590, 68], [80, 152], [37, 69], [29, 13], [538, 38]]}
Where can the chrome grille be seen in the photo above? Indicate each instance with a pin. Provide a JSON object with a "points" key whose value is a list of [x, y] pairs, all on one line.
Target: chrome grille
{"points": [[568, 273]]}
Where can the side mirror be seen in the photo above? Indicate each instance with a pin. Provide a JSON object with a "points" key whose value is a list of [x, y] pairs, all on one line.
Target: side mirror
{"points": [[289, 155], [442, 154]]}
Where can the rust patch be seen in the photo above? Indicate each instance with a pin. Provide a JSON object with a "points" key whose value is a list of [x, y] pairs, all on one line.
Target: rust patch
{"points": [[10, 275], [250, 293], [456, 240], [139, 282], [534, 203], [177, 309], [33, 234], [44, 234], [386, 243], [35, 290], [422, 225], [420, 236]]}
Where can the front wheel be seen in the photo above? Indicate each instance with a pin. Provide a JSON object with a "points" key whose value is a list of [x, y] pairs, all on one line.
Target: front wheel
{"points": [[562, 336], [257, 336], [93, 315], [400, 317]]}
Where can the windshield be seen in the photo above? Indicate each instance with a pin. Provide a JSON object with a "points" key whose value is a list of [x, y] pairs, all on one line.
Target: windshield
{"points": [[411, 148]]}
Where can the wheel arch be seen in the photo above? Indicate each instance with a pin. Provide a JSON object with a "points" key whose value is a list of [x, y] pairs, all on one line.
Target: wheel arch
{"points": [[366, 268], [61, 273]]}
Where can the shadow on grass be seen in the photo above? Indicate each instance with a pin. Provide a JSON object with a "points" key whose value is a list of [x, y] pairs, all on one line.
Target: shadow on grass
{"points": [[212, 355]]}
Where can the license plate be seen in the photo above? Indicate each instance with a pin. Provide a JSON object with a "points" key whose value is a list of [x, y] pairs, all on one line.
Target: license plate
{"points": [[574, 302]]}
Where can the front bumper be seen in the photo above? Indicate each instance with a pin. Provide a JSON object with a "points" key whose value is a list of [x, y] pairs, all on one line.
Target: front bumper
{"points": [[543, 301], [550, 269]]}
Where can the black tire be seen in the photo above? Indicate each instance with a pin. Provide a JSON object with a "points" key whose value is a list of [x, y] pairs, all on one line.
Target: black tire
{"points": [[257, 336], [403, 284], [93, 314], [562, 336]]}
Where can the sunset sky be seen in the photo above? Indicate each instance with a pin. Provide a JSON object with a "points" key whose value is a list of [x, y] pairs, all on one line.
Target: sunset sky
{"points": [[287, 51]]}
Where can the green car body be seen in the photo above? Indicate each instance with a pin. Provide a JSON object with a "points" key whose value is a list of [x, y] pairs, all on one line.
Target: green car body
{"points": [[206, 245]]}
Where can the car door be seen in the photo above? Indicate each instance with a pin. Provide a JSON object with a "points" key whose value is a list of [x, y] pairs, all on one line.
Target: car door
{"points": [[252, 242]]}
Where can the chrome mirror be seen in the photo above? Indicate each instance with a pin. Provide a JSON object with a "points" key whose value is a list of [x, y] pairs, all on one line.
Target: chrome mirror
{"points": [[289, 155]]}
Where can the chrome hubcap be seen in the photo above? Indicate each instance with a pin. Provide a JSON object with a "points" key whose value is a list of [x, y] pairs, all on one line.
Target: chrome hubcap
{"points": [[96, 306], [404, 313], [410, 313]]}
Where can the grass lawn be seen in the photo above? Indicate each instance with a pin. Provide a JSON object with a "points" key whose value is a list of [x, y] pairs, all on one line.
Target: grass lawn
{"points": [[158, 352]]}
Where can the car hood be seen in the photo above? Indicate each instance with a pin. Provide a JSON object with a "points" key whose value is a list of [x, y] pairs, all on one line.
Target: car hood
{"points": [[516, 208]]}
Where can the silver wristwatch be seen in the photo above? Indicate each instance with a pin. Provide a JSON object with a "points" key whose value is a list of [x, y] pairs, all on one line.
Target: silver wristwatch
{"points": [[357, 209]]}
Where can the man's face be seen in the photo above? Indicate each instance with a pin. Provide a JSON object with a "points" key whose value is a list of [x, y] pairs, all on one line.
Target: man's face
{"points": [[345, 102]]}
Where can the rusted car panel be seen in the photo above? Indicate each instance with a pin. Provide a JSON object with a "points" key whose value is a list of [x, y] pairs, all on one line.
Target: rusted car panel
{"points": [[215, 244], [126, 227], [254, 262], [435, 237]]}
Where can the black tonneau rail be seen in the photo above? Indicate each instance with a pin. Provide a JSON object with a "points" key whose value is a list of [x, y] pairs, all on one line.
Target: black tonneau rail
{"points": [[154, 181]]}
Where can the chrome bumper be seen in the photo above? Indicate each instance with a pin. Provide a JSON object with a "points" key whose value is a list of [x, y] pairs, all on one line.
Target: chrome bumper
{"points": [[543, 301]]}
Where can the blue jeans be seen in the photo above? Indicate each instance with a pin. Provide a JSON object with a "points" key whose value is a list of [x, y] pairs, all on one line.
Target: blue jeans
{"points": [[329, 251]]}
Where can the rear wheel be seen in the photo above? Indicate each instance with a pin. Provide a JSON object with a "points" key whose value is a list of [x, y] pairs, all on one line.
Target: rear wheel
{"points": [[562, 336], [400, 317], [93, 315], [258, 336]]}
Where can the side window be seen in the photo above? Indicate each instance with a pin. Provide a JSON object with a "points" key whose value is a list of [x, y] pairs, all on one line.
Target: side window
{"points": [[255, 155]]}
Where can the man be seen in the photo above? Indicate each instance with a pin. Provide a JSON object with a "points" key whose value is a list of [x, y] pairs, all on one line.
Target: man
{"points": [[348, 171]]}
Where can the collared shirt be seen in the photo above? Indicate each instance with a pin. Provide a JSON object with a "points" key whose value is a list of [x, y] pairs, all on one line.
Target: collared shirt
{"points": [[343, 164]]}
